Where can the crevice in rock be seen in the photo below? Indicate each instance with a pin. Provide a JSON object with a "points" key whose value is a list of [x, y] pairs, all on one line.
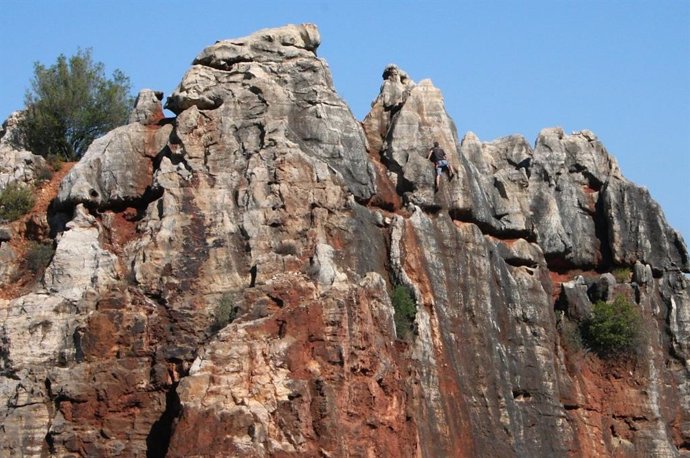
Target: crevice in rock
{"points": [[558, 263], [320, 408], [521, 395], [516, 262], [224, 65], [674, 346], [467, 216], [77, 340], [158, 439], [364, 201], [402, 184], [561, 302], [57, 219], [681, 250], [282, 329], [50, 443], [277, 300], [431, 209], [632, 417], [601, 231], [6, 363]]}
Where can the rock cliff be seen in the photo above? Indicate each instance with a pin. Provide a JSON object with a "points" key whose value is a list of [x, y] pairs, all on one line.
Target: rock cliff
{"points": [[221, 283]]}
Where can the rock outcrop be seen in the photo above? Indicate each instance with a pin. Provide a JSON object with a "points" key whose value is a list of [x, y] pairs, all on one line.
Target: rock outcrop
{"points": [[222, 285], [17, 164], [18, 167], [117, 168]]}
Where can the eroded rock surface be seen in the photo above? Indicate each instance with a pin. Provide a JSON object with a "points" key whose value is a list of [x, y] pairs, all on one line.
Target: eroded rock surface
{"points": [[490, 251], [17, 164], [222, 287], [117, 168]]}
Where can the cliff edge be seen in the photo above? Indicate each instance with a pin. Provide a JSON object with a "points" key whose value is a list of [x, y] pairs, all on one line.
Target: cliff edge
{"points": [[221, 282]]}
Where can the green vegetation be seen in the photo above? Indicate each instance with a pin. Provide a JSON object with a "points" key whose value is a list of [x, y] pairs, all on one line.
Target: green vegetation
{"points": [[405, 311], [614, 329], [622, 274], [54, 161], [225, 312], [15, 200], [38, 256], [44, 173], [71, 103]]}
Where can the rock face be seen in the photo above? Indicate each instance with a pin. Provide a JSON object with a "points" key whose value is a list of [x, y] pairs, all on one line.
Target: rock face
{"points": [[118, 167], [18, 166], [16, 163], [222, 286]]}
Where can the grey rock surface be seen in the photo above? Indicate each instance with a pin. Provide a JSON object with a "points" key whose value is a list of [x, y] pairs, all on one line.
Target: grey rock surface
{"points": [[577, 301], [116, 168], [520, 252], [638, 230], [8, 263], [228, 283], [147, 107], [406, 135], [233, 80], [17, 165]]}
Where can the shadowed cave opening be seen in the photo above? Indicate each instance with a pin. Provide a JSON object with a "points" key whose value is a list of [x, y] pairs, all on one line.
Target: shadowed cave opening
{"points": [[158, 440]]}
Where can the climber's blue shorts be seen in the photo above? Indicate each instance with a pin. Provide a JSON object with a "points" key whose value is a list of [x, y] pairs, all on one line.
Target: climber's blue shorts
{"points": [[440, 165]]}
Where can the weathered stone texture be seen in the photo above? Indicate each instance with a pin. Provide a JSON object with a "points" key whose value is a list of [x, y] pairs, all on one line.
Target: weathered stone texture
{"points": [[638, 230], [116, 168], [239, 78], [17, 164], [222, 285], [147, 108]]}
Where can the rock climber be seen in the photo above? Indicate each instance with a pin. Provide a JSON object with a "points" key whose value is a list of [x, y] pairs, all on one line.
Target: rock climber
{"points": [[438, 156]]}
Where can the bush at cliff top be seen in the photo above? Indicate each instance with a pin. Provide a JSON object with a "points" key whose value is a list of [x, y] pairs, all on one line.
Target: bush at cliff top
{"points": [[614, 328], [405, 311], [71, 103], [15, 201]]}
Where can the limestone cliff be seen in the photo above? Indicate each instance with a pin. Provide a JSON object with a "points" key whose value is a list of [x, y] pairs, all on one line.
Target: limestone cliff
{"points": [[220, 284]]}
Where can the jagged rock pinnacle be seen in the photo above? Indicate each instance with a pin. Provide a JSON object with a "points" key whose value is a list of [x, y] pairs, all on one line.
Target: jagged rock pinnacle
{"points": [[221, 283]]}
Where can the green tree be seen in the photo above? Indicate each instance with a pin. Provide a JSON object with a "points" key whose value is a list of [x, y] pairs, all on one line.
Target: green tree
{"points": [[71, 103], [614, 328], [226, 312]]}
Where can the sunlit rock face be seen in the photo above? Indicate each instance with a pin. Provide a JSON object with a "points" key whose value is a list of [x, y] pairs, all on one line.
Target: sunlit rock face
{"points": [[17, 164], [222, 285]]}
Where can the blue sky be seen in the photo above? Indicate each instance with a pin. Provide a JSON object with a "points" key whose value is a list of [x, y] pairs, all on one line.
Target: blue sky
{"points": [[618, 68]]}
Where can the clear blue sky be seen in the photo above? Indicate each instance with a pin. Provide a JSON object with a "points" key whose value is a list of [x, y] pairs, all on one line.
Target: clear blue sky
{"points": [[618, 68]]}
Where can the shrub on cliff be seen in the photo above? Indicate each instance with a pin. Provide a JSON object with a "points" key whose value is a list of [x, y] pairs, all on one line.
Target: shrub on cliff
{"points": [[614, 329], [405, 311], [15, 201], [38, 256], [622, 274], [225, 312], [71, 103]]}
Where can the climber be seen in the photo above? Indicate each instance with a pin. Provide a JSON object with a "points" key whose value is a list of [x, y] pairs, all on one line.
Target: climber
{"points": [[438, 156]]}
